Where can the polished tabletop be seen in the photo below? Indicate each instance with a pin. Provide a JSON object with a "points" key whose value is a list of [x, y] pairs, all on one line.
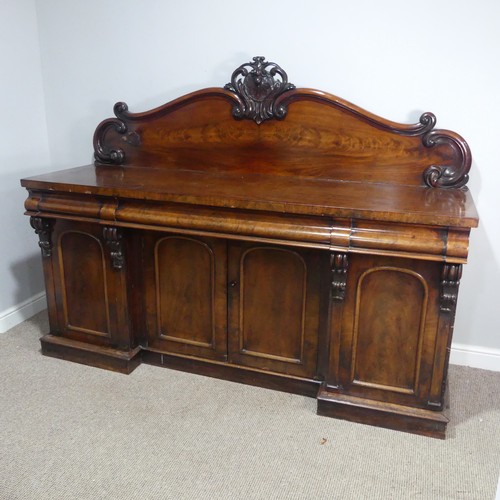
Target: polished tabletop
{"points": [[274, 193]]}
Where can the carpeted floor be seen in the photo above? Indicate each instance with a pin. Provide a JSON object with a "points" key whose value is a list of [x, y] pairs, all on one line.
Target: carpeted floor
{"points": [[69, 431]]}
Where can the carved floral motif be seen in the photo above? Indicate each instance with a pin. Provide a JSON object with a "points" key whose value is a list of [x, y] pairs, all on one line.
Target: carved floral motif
{"points": [[256, 86]]}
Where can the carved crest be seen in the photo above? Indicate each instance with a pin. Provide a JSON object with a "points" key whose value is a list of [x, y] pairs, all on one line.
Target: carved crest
{"points": [[256, 85]]}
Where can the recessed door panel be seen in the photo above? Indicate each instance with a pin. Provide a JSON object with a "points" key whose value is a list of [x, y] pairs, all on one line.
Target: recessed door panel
{"points": [[273, 284], [274, 304], [391, 306], [185, 287], [185, 290], [90, 293], [82, 268], [389, 328]]}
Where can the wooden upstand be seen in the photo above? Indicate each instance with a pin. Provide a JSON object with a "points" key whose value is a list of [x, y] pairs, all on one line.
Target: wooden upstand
{"points": [[270, 235]]}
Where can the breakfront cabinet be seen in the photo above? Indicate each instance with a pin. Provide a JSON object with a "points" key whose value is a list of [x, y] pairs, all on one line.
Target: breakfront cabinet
{"points": [[269, 235]]}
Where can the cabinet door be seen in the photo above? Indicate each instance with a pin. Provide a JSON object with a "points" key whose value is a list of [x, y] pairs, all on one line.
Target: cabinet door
{"points": [[90, 291], [185, 292], [274, 305], [389, 328]]}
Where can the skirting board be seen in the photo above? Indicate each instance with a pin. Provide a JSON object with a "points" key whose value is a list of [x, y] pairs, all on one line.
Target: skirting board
{"points": [[486, 358], [21, 312]]}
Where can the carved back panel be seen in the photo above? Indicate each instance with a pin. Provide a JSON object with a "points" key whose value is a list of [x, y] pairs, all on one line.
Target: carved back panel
{"points": [[260, 123]]}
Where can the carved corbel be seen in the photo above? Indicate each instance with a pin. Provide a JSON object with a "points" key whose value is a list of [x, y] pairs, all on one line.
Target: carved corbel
{"points": [[450, 281], [338, 266], [43, 227], [114, 240]]}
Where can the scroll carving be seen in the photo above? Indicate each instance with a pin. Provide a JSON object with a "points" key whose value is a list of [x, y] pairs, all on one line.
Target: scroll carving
{"points": [[103, 153], [450, 281], [43, 228], [257, 87], [439, 176], [451, 176], [114, 241], [338, 266]]}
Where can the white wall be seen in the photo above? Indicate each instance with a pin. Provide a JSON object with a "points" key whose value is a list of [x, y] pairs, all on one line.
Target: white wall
{"points": [[23, 150], [396, 59]]}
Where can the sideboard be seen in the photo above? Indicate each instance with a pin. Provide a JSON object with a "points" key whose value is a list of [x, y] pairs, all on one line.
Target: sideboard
{"points": [[265, 234]]}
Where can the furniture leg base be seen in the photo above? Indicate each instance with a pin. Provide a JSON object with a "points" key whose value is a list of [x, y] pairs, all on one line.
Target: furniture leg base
{"points": [[391, 416], [92, 355], [234, 373]]}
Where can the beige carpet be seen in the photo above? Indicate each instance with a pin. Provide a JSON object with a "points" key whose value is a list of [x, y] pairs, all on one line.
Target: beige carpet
{"points": [[69, 431]]}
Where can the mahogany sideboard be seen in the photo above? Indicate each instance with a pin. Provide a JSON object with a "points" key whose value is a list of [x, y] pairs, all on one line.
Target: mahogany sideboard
{"points": [[265, 234]]}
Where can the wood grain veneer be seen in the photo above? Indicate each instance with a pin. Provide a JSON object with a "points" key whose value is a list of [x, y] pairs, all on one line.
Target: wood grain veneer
{"points": [[265, 234]]}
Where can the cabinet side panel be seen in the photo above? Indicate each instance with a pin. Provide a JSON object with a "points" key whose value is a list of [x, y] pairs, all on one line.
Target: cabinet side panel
{"points": [[273, 304], [391, 306], [82, 268], [185, 290]]}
